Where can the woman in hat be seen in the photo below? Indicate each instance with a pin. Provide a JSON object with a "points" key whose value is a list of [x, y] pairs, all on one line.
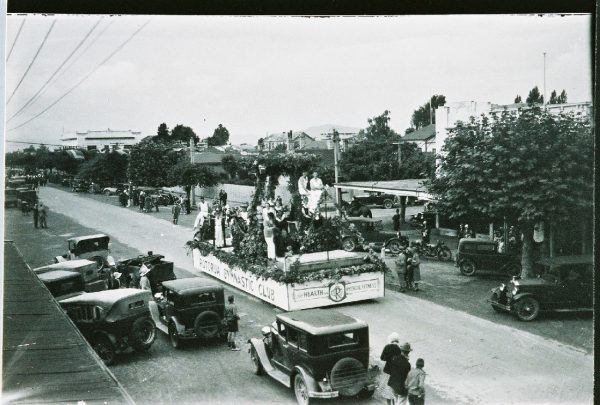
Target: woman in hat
{"points": [[390, 351], [399, 369]]}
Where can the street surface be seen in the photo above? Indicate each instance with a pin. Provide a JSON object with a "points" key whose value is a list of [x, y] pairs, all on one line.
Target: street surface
{"points": [[468, 359]]}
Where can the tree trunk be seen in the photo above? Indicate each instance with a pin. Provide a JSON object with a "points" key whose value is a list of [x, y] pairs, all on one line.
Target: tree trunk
{"points": [[527, 252], [402, 209]]}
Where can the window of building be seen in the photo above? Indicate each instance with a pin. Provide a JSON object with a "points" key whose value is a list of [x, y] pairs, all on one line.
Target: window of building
{"points": [[92, 147]]}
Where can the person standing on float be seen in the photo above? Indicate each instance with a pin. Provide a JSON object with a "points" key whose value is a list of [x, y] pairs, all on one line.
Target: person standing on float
{"points": [[316, 189]]}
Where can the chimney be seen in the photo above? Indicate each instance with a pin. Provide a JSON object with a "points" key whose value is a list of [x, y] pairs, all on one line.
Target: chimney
{"points": [[290, 142]]}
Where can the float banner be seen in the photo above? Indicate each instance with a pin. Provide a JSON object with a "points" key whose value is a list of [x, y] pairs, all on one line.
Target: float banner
{"points": [[311, 294]]}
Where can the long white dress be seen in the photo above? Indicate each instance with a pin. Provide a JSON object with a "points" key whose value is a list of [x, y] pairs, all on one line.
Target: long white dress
{"points": [[218, 231], [316, 189]]}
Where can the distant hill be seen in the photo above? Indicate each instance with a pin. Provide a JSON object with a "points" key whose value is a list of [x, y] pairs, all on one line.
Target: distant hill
{"points": [[317, 130]]}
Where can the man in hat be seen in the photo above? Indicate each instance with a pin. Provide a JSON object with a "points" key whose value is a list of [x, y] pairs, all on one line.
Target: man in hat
{"points": [[144, 281], [399, 369]]}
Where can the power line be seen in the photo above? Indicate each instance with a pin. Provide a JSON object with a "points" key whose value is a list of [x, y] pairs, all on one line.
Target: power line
{"points": [[84, 78], [32, 61], [57, 70], [34, 143], [15, 41]]}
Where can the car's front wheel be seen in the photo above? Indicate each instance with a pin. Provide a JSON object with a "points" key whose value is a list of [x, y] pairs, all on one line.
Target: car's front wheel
{"points": [[387, 203], [301, 390], [445, 254], [527, 309], [257, 366], [107, 192], [143, 333], [467, 267], [394, 246], [348, 244], [105, 349], [174, 336]]}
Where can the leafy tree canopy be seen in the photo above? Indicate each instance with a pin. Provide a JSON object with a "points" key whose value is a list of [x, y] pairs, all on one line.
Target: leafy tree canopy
{"points": [[558, 99], [220, 136], [186, 174], [527, 166], [424, 116], [150, 162], [183, 134], [518, 99], [534, 97], [105, 168]]}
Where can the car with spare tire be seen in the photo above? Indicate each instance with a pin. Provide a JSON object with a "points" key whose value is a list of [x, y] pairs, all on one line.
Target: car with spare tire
{"points": [[563, 283], [364, 233], [319, 353], [113, 321], [476, 254], [190, 308]]}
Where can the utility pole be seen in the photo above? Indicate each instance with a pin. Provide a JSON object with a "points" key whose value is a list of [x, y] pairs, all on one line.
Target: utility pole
{"points": [[431, 110], [544, 79], [193, 188], [336, 162]]}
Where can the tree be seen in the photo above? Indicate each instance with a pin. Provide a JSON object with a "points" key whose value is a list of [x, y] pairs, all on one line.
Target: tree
{"points": [[220, 136], [424, 115], [534, 97], [518, 99], [149, 163], [183, 134], [562, 99], [108, 168], [261, 143], [553, 98], [162, 134], [189, 175], [526, 167], [63, 161], [230, 165]]}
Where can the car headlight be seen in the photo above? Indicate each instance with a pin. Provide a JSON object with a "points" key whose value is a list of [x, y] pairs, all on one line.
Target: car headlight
{"points": [[502, 287]]}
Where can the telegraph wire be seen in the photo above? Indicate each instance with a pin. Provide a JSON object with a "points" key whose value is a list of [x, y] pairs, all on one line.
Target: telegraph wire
{"points": [[32, 61], [57, 70], [84, 78], [15, 41]]}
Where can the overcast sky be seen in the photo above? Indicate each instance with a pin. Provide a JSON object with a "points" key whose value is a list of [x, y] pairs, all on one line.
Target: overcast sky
{"points": [[270, 74]]}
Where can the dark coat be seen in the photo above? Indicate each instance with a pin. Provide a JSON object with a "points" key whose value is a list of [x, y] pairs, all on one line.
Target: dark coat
{"points": [[390, 351], [399, 368]]}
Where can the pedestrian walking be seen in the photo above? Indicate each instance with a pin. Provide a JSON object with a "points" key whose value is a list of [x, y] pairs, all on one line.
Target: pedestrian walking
{"points": [[396, 220], [35, 215], [148, 204], [176, 210], [42, 213], [399, 369], [390, 351], [401, 270], [142, 199], [415, 384], [231, 319]]}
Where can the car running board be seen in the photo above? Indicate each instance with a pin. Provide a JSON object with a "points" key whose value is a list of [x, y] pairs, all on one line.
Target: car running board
{"points": [[278, 375]]}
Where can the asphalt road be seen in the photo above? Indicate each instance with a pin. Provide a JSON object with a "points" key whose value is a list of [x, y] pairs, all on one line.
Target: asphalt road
{"points": [[468, 359]]}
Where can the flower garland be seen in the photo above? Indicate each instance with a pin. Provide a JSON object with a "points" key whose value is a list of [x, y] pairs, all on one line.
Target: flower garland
{"points": [[266, 269]]}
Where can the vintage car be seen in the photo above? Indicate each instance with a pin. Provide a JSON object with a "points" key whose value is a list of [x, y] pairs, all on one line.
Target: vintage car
{"points": [[319, 353], [482, 254], [116, 189], [91, 247], [160, 270], [189, 308], [79, 185], [26, 197], [10, 197], [113, 320], [563, 283], [94, 279], [377, 198], [363, 233], [63, 283]]}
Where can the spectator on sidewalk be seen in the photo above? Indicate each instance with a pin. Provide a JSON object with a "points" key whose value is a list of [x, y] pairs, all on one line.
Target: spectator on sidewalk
{"points": [[142, 199], [399, 369], [43, 213], [231, 318], [396, 220], [414, 270], [401, 270], [425, 233], [389, 353], [223, 197], [415, 384], [148, 204], [176, 210], [35, 215]]}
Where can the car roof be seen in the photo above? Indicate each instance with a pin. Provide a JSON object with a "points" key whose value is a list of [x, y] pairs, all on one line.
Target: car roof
{"points": [[191, 285], [66, 265], [109, 297], [365, 220], [57, 275], [88, 237], [560, 260], [321, 321]]}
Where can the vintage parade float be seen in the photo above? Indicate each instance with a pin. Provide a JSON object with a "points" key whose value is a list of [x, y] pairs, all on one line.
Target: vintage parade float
{"points": [[310, 269]]}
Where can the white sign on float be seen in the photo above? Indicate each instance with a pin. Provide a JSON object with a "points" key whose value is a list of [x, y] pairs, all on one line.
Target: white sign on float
{"points": [[311, 294]]}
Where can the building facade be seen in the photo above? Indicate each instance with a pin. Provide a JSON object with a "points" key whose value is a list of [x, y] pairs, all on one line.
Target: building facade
{"points": [[103, 140]]}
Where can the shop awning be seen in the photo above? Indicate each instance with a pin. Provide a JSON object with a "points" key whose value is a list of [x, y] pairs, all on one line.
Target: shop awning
{"points": [[407, 187]]}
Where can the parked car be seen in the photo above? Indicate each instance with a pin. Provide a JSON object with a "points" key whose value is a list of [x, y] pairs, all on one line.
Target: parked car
{"points": [[115, 189], [160, 271], [378, 198], [79, 185], [319, 353], [113, 320], [189, 308], [416, 221], [66, 181], [95, 188], [564, 283], [63, 283], [94, 279], [92, 247], [10, 197], [482, 254], [365, 232], [26, 198]]}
